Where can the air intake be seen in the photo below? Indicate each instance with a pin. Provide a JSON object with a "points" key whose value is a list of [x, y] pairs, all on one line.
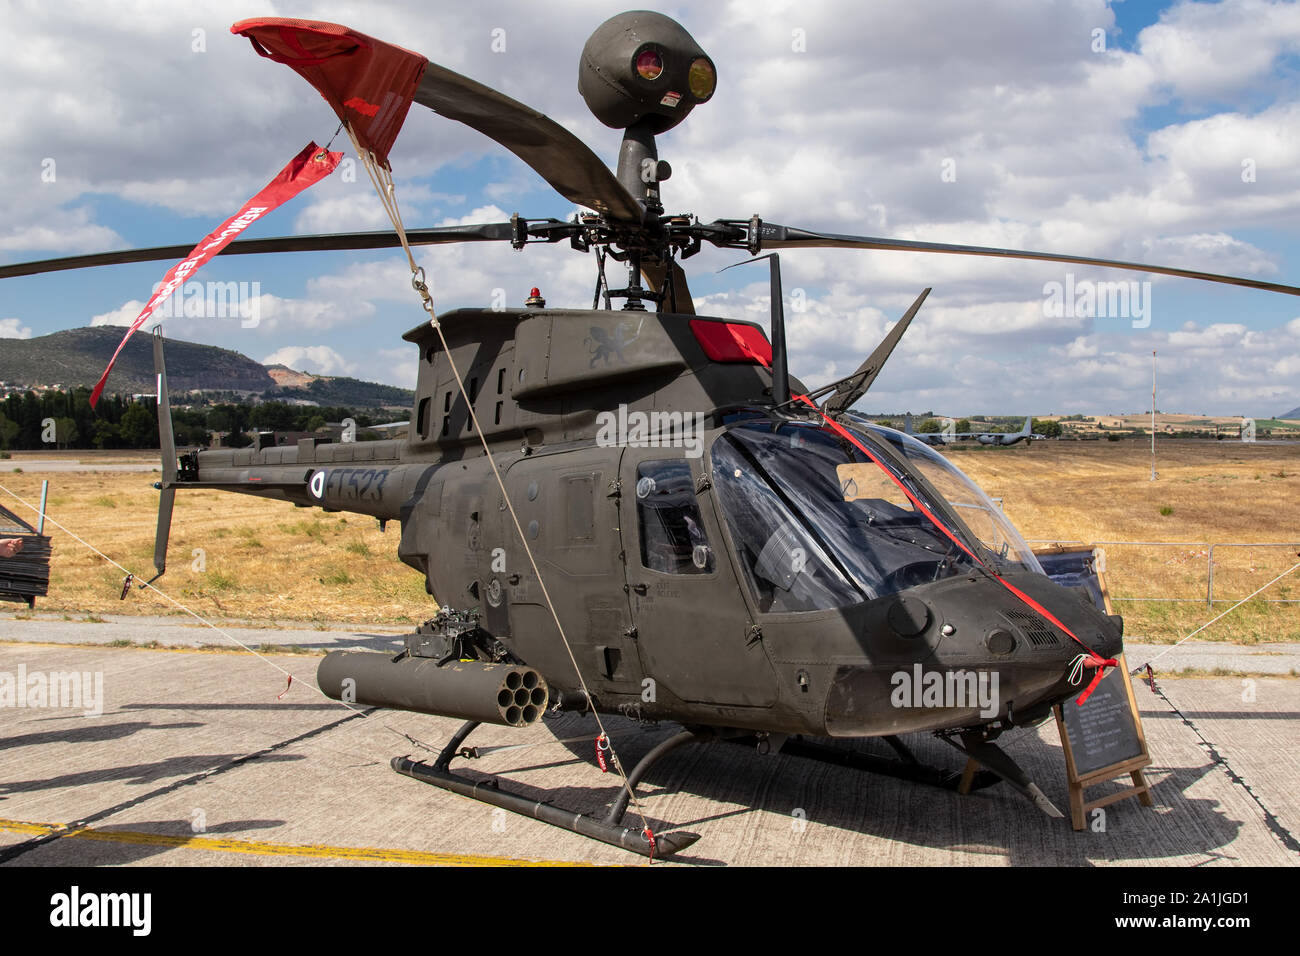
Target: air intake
{"points": [[1033, 627]]}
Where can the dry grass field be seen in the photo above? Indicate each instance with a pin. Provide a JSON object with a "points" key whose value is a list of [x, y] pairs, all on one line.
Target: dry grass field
{"points": [[262, 561], [265, 562], [1206, 492]]}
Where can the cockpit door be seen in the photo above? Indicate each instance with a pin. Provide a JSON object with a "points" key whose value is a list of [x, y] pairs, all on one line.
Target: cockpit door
{"points": [[694, 631]]}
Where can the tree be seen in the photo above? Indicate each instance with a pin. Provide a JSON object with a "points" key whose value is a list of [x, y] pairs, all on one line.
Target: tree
{"points": [[273, 416], [930, 426], [65, 432], [8, 431], [1047, 428], [139, 427], [30, 422], [106, 435], [220, 420]]}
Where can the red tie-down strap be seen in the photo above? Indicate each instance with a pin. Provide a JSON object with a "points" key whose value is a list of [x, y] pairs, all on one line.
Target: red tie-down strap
{"points": [[368, 83], [310, 166], [1092, 658]]}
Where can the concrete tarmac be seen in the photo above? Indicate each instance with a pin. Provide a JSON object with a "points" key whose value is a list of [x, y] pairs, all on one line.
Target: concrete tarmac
{"points": [[204, 758]]}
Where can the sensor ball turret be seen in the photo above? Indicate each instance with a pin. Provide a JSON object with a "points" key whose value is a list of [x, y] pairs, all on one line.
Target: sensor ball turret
{"points": [[644, 66]]}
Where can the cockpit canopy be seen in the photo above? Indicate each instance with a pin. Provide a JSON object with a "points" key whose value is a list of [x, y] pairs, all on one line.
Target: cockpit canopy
{"points": [[819, 524]]}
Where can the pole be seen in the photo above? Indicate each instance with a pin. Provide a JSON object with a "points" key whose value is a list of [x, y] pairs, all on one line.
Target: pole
{"points": [[1153, 414], [45, 493]]}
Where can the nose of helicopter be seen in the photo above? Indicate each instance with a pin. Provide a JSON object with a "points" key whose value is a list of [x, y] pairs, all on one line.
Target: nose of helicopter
{"points": [[981, 651]]}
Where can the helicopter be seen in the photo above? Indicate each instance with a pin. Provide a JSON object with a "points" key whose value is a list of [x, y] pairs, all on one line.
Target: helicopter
{"points": [[640, 511]]}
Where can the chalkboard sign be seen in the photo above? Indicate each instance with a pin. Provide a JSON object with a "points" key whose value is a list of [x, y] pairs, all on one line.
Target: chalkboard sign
{"points": [[1104, 731], [1103, 738]]}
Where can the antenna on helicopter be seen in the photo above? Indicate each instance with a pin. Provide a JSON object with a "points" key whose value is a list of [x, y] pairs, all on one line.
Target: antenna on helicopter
{"points": [[780, 358]]}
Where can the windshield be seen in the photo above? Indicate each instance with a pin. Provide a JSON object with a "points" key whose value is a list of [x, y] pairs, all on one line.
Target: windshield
{"points": [[818, 524], [1001, 543]]}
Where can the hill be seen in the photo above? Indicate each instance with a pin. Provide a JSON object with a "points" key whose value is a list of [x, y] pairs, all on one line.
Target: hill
{"points": [[76, 357], [342, 391], [1294, 413]]}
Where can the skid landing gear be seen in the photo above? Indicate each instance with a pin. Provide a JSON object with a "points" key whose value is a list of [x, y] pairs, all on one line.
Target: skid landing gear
{"points": [[979, 747], [608, 830]]}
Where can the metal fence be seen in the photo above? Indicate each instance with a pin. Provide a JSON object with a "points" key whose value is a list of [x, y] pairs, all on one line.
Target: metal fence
{"points": [[1219, 572]]}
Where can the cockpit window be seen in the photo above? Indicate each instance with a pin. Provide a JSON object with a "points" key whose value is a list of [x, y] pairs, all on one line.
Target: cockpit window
{"points": [[672, 534], [1002, 543], [818, 524], [788, 568]]}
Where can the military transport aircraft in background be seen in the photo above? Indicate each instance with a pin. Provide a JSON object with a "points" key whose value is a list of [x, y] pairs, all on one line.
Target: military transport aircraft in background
{"points": [[946, 437]]}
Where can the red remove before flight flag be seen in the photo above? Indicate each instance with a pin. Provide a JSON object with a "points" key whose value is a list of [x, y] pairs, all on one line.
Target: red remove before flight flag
{"points": [[310, 166], [368, 83]]}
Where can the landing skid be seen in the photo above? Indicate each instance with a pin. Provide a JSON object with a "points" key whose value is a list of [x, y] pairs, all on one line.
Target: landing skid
{"points": [[608, 830]]}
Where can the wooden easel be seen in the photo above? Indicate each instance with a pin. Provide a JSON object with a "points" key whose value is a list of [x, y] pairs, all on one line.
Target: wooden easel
{"points": [[1137, 758], [1133, 764]]}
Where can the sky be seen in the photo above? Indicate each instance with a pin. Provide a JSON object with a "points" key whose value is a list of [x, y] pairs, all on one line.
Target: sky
{"points": [[1166, 133]]}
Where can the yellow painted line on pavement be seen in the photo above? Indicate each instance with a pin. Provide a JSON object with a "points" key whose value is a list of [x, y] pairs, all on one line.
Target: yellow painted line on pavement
{"points": [[259, 848]]}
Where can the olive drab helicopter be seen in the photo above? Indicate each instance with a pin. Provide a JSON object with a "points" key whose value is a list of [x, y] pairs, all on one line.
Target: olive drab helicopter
{"points": [[639, 510]]}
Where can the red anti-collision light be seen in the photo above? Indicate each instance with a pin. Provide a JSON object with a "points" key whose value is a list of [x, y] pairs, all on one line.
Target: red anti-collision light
{"points": [[732, 342]]}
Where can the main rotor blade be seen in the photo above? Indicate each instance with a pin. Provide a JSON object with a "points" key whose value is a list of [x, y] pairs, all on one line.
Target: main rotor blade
{"points": [[869, 369], [563, 160], [784, 237], [381, 239]]}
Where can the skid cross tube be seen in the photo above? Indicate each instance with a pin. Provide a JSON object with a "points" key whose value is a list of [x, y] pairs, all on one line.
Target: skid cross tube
{"points": [[608, 831], [619, 806]]}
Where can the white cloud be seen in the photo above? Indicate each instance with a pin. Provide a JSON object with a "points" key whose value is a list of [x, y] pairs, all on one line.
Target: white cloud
{"points": [[67, 231], [397, 366], [1081, 348], [1217, 336], [280, 314], [1210, 50], [11, 329], [355, 212], [124, 315], [317, 359]]}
